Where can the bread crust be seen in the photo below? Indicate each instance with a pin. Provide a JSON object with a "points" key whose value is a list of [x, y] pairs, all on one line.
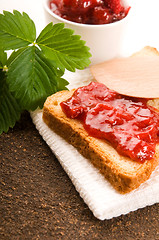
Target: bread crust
{"points": [[123, 173]]}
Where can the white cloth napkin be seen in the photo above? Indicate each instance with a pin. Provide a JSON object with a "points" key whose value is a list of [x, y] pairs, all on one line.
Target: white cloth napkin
{"points": [[98, 194]]}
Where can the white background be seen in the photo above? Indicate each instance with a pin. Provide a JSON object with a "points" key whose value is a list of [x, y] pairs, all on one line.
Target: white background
{"points": [[143, 29]]}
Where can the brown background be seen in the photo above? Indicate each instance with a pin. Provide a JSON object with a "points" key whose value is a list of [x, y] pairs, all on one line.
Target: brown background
{"points": [[38, 200]]}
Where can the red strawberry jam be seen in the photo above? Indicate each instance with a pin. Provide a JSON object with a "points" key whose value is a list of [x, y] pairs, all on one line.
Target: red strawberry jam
{"points": [[129, 124], [89, 11]]}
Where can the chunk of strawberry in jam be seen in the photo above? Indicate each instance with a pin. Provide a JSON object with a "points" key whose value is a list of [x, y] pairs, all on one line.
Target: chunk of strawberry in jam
{"points": [[102, 15], [81, 6], [114, 5], [90, 4], [72, 4], [77, 104]]}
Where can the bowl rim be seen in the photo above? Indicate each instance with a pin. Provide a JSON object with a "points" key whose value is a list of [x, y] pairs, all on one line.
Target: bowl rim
{"points": [[83, 25]]}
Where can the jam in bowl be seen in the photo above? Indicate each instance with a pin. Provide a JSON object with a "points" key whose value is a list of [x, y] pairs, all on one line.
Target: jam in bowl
{"points": [[90, 11]]}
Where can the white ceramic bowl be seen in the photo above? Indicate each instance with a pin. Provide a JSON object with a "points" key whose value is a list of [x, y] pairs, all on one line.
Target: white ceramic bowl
{"points": [[105, 41]]}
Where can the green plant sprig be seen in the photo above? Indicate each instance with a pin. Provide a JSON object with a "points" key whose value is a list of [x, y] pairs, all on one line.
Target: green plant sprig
{"points": [[35, 67]]}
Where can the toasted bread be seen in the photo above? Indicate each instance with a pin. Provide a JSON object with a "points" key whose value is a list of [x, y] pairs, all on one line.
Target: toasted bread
{"points": [[122, 172]]}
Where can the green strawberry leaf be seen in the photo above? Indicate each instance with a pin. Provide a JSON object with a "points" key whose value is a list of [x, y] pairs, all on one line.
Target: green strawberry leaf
{"points": [[65, 49], [9, 108], [16, 30], [35, 68], [32, 77]]}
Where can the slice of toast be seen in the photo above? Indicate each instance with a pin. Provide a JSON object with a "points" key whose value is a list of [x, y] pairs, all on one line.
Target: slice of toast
{"points": [[122, 172]]}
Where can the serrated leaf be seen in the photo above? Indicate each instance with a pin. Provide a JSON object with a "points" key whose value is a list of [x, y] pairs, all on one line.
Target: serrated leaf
{"points": [[50, 30], [60, 45], [16, 30], [3, 58], [31, 77], [9, 108]]}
